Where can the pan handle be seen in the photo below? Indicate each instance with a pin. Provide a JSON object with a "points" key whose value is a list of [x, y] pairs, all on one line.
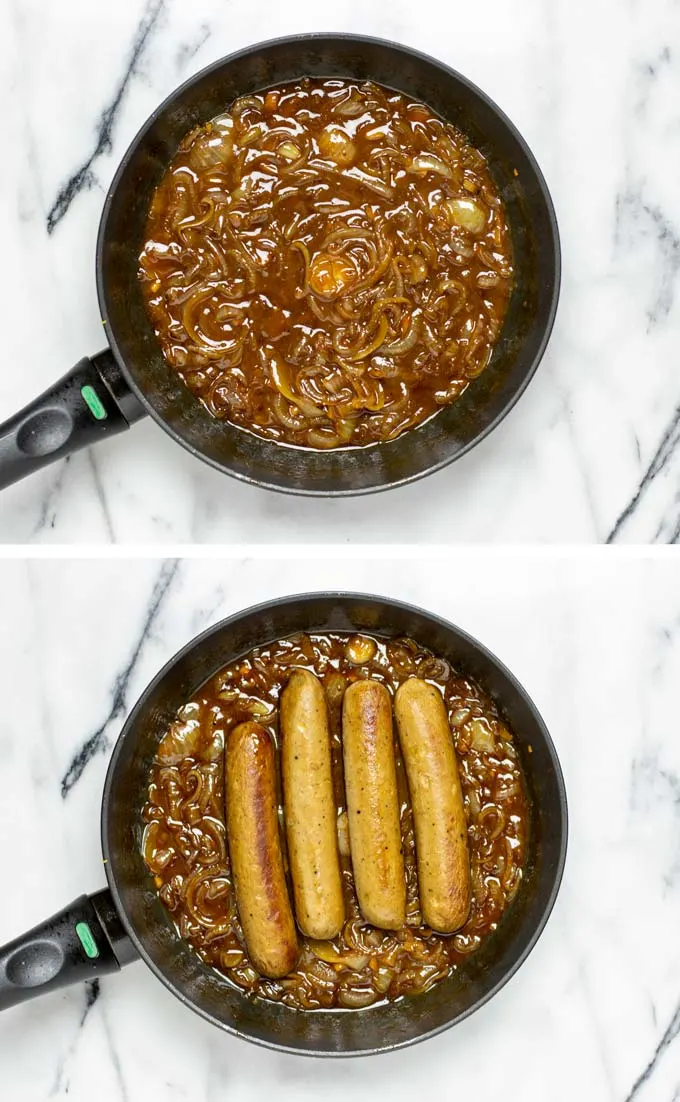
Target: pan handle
{"points": [[84, 941], [89, 403]]}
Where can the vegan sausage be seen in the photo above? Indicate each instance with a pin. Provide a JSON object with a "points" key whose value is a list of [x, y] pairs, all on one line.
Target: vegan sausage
{"points": [[255, 850], [437, 800], [372, 804], [309, 804]]}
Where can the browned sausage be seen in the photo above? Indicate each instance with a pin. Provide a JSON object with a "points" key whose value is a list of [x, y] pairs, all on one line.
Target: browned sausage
{"points": [[309, 805], [437, 801], [372, 804], [255, 851]]}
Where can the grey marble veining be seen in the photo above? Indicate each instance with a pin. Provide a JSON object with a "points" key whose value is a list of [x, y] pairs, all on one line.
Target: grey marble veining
{"points": [[593, 1014], [590, 453]]}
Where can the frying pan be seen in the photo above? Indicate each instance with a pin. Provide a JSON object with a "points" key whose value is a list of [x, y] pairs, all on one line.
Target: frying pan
{"points": [[99, 933], [105, 393]]}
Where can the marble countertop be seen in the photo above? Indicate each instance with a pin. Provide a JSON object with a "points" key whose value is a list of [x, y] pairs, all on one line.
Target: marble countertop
{"points": [[591, 451], [593, 1014]]}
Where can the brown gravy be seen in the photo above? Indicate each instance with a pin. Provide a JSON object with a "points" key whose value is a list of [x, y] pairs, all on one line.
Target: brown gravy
{"points": [[327, 263]]}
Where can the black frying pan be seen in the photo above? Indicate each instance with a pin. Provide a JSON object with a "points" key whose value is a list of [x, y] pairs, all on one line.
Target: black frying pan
{"points": [[104, 394], [128, 919]]}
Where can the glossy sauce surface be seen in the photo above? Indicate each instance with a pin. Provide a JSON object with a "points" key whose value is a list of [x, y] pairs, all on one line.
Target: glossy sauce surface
{"points": [[184, 839], [327, 263]]}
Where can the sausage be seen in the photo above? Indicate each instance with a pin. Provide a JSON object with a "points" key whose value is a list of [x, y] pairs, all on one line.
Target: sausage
{"points": [[373, 805], [309, 806], [436, 797], [255, 851]]}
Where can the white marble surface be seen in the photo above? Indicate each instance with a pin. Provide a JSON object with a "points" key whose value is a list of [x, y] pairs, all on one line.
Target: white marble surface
{"points": [[593, 85], [593, 1014]]}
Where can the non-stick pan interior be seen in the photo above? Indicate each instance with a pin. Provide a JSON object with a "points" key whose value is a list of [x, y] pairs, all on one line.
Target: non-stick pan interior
{"points": [[327, 1032], [454, 429]]}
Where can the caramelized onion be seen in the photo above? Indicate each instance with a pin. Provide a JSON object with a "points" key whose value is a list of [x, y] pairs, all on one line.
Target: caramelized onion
{"points": [[284, 227], [282, 382], [351, 107], [469, 214], [355, 998], [374, 183], [427, 162], [330, 276], [369, 348], [181, 741], [335, 144], [289, 151], [397, 348], [343, 834], [323, 438], [360, 649], [215, 151], [482, 737]]}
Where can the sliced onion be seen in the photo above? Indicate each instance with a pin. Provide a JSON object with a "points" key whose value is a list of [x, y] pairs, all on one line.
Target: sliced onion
{"points": [[325, 951], [289, 151], [191, 888], [372, 277], [378, 153], [251, 135], [360, 650], [473, 802], [331, 275], [356, 961], [345, 233], [354, 998], [335, 685], [181, 741], [323, 438], [351, 107], [427, 162], [343, 834], [214, 749], [156, 859], [497, 824], [482, 737], [281, 378], [337, 146], [362, 353], [383, 979], [345, 428], [288, 417], [244, 102], [210, 152], [448, 147], [193, 222], [301, 247], [231, 958], [418, 270], [209, 347], [396, 348], [459, 716], [469, 214], [372, 182]]}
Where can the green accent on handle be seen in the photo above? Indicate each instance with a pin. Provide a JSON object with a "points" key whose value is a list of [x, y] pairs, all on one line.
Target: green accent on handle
{"points": [[86, 939], [94, 403]]}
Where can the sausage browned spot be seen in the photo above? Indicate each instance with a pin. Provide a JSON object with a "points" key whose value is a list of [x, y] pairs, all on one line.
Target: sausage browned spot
{"points": [[372, 804], [437, 801], [309, 806], [255, 851]]}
